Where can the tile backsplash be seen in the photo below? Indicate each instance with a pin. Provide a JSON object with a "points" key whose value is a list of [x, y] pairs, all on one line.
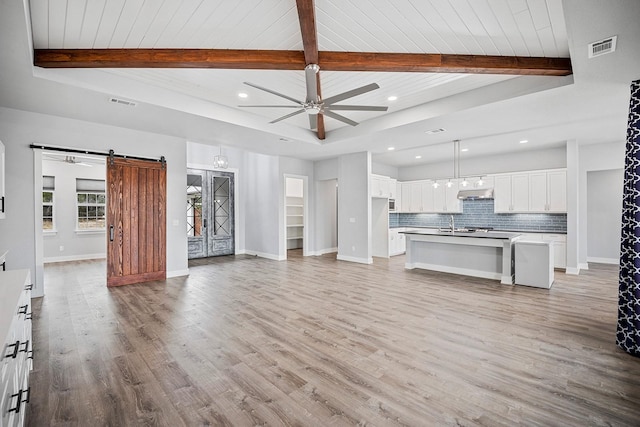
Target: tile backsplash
{"points": [[479, 213]]}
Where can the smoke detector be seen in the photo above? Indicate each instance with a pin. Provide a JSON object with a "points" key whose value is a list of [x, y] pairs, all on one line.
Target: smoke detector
{"points": [[602, 47]]}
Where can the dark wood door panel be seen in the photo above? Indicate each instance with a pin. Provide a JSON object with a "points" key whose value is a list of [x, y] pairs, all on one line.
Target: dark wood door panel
{"points": [[136, 217]]}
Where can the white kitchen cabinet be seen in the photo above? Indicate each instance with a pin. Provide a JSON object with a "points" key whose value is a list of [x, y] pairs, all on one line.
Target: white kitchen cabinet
{"points": [[559, 242], [393, 189], [511, 193], [2, 184], [405, 197], [557, 191], [428, 197], [397, 241], [415, 196], [445, 197], [559, 248], [379, 186], [548, 191], [17, 359]]}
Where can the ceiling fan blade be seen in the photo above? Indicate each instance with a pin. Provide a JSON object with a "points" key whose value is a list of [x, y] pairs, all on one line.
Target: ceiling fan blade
{"points": [[313, 122], [273, 92], [355, 108], [270, 106], [351, 93], [339, 117], [295, 113], [310, 72]]}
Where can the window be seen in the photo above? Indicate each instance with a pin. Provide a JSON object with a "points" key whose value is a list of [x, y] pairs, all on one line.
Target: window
{"points": [[91, 201], [48, 188]]}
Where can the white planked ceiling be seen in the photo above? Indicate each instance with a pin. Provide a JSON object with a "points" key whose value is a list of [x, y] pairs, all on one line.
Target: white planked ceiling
{"points": [[487, 27]]}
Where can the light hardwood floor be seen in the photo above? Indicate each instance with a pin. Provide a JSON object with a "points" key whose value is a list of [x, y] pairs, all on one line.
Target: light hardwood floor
{"points": [[313, 341]]}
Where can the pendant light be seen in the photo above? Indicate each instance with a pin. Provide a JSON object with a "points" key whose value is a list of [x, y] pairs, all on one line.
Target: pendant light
{"points": [[220, 161]]}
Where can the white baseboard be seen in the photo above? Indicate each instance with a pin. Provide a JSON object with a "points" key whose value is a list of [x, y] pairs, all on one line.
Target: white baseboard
{"points": [[355, 259], [177, 273], [583, 265], [599, 260], [455, 270], [240, 252], [265, 255], [572, 270], [324, 251], [67, 258]]}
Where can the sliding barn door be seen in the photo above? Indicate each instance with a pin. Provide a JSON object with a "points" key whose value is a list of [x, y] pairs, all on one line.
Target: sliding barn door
{"points": [[136, 221]]}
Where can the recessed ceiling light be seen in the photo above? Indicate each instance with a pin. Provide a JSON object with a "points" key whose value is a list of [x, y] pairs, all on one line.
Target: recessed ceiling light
{"points": [[243, 95], [284, 139], [418, 157], [464, 150], [392, 98], [524, 141], [391, 148]]}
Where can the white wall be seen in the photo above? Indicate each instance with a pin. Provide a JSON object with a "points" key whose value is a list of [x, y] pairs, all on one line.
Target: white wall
{"points": [[384, 170], [18, 129], [595, 157], [354, 208], [263, 192], [326, 216], [513, 162], [77, 244], [604, 215], [326, 169]]}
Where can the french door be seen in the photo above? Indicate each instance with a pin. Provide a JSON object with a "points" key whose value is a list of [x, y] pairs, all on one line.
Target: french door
{"points": [[136, 221], [210, 213]]}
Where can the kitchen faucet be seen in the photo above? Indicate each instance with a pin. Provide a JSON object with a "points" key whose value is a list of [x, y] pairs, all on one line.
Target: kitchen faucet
{"points": [[451, 224]]}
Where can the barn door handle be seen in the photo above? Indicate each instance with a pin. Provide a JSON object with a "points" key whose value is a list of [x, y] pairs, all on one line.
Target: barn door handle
{"points": [[111, 233]]}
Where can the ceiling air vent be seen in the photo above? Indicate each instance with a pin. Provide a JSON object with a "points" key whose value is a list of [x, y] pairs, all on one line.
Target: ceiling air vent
{"points": [[122, 102], [602, 47], [432, 131]]}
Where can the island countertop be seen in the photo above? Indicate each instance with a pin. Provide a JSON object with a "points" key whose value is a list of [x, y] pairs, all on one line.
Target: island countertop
{"points": [[475, 234]]}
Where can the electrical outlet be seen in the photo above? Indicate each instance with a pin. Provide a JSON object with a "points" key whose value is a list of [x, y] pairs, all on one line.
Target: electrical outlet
{"points": [[353, 248], [352, 220], [61, 248]]}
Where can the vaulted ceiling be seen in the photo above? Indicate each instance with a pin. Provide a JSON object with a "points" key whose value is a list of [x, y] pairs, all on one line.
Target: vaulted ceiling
{"points": [[425, 100]]}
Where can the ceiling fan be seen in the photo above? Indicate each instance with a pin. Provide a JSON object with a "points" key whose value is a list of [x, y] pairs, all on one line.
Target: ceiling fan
{"points": [[314, 104]]}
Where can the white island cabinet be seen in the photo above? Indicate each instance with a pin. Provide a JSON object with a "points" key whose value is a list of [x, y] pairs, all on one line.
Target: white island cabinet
{"points": [[15, 329], [488, 255]]}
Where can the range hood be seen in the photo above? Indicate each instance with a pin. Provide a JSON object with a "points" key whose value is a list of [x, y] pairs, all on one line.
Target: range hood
{"points": [[486, 193]]}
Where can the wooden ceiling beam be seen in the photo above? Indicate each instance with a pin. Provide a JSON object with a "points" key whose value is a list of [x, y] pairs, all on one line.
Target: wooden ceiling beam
{"points": [[295, 60], [444, 63], [232, 59], [307, 18]]}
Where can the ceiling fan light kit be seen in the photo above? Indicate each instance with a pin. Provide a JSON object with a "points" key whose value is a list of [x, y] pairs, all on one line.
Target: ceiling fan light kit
{"points": [[314, 105]]}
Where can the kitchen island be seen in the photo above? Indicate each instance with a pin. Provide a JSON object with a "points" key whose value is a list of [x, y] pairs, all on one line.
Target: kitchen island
{"points": [[480, 254]]}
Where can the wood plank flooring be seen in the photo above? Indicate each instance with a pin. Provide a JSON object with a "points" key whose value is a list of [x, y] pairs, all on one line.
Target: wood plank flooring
{"points": [[313, 341]]}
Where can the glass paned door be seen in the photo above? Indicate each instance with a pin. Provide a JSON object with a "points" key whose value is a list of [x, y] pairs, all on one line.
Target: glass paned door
{"points": [[196, 226], [210, 215]]}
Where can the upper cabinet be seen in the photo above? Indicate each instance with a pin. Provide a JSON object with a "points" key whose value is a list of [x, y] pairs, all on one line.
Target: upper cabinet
{"points": [[548, 191], [511, 193], [424, 197], [538, 192], [380, 186], [393, 189], [2, 186]]}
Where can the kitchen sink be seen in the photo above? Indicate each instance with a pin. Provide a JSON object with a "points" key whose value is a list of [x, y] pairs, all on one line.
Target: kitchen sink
{"points": [[456, 230]]}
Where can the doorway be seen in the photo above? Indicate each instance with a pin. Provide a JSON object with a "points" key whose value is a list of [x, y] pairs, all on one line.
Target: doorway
{"points": [[210, 213]]}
